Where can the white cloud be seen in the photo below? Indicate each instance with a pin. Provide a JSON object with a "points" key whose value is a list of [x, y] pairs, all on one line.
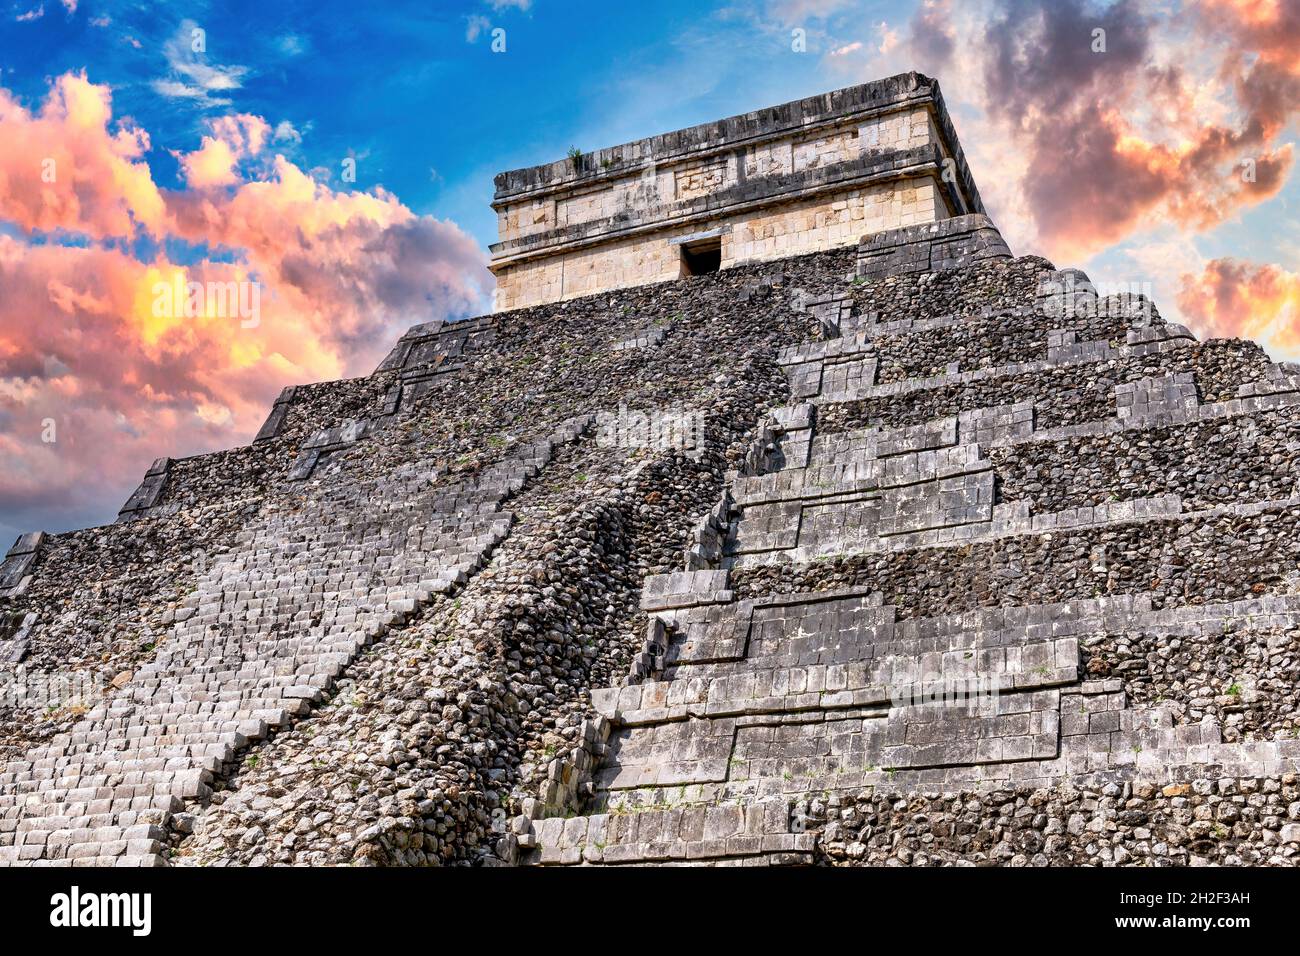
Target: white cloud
{"points": [[286, 132], [888, 37], [178, 90], [291, 45], [474, 26], [192, 77]]}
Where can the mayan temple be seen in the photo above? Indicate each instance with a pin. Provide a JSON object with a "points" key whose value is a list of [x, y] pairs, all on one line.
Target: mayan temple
{"points": [[778, 515]]}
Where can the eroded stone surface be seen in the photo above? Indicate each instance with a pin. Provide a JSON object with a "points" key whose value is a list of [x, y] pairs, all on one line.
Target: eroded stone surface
{"points": [[953, 610], [905, 554]]}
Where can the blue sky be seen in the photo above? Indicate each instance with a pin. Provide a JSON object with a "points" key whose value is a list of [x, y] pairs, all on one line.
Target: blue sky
{"points": [[427, 112]]}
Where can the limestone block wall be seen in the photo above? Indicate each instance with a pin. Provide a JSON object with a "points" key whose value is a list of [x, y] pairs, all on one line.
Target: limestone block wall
{"points": [[669, 181], [795, 228], [809, 175], [267, 629], [836, 220]]}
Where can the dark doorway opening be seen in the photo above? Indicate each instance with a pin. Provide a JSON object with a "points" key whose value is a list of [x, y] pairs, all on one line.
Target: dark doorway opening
{"points": [[702, 257]]}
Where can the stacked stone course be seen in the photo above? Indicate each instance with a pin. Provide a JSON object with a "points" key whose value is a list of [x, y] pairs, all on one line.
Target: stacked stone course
{"points": [[1108, 542], [299, 577], [971, 566]]}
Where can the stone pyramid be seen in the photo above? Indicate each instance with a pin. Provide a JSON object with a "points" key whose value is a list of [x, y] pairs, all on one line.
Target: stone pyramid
{"points": [[898, 551]]}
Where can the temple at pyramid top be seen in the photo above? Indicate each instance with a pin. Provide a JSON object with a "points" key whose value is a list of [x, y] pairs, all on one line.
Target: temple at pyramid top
{"points": [[808, 175]]}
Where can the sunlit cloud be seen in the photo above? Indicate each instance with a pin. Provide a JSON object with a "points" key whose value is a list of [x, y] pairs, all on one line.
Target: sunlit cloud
{"points": [[231, 140], [91, 337], [191, 75], [1230, 298], [1093, 125]]}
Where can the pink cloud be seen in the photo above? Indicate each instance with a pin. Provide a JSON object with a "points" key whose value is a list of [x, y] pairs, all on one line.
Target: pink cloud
{"points": [[231, 140], [85, 344], [1231, 298], [1152, 129], [63, 168]]}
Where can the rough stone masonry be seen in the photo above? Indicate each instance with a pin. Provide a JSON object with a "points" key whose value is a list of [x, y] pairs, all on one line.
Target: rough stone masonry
{"points": [[964, 563]]}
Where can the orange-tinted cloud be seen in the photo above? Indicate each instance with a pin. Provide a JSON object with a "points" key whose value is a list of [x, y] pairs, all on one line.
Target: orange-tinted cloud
{"points": [[1271, 28], [232, 139], [84, 350], [1234, 299], [62, 167], [1154, 128], [103, 343]]}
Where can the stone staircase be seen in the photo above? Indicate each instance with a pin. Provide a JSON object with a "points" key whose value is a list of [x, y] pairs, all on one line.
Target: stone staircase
{"points": [[979, 483], [749, 698], [269, 628]]}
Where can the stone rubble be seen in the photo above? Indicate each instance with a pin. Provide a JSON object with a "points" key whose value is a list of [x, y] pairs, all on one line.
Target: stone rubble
{"points": [[436, 616], [1056, 523]]}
